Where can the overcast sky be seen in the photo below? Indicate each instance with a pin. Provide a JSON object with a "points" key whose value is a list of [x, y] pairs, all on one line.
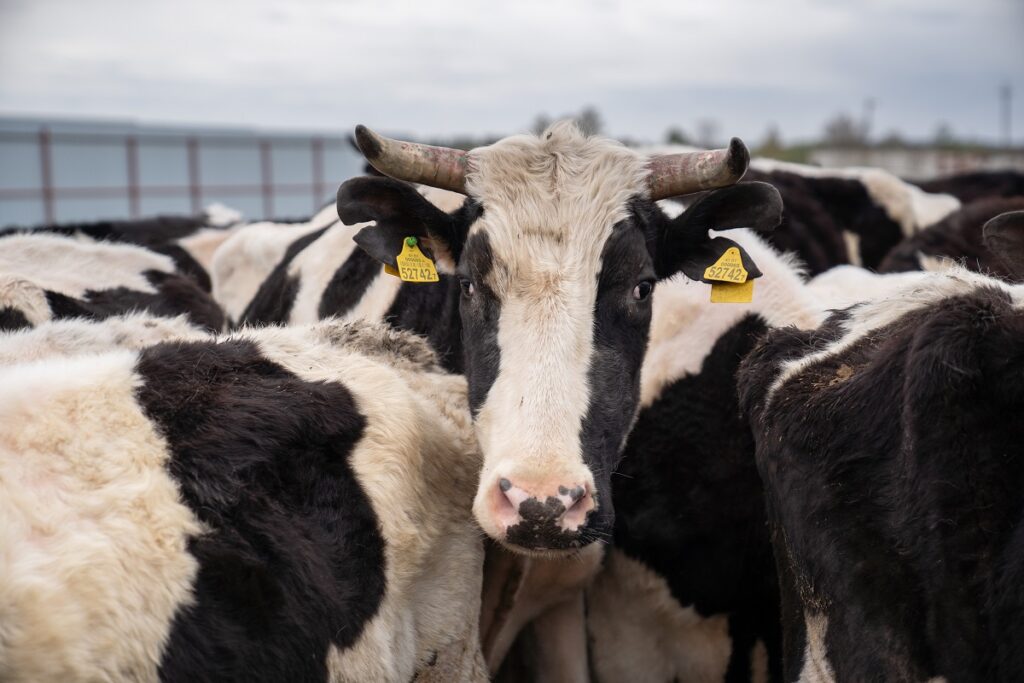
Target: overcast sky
{"points": [[441, 67]]}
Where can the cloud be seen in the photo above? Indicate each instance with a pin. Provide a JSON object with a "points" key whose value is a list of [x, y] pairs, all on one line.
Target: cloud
{"points": [[446, 66]]}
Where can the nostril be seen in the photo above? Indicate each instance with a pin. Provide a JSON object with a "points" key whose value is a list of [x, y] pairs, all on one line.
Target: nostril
{"points": [[574, 494], [504, 484]]}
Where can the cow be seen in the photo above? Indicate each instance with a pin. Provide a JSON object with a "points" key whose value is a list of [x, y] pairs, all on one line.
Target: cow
{"points": [[189, 240], [75, 336], [975, 185], [836, 216], [277, 504], [688, 590], [554, 253], [888, 440], [46, 276], [957, 237]]}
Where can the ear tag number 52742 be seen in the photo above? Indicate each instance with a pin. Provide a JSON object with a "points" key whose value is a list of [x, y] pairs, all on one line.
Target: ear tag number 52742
{"points": [[413, 264], [730, 284]]}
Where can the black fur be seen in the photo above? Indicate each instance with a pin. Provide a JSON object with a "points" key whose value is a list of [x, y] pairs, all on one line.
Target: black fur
{"points": [[12, 319], [970, 187], [294, 560], [348, 284], [479, 318], [893, 473], [689, 503], [273, 301], [818, 210], [433, 312], [176, 295], [958, 236]]}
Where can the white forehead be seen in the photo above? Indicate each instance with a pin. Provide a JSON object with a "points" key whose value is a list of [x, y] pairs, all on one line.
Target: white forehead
{"points": [[554, 196]]}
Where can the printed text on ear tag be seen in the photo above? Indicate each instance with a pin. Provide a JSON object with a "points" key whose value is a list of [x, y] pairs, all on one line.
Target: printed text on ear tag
{"points": [[732, 293], [413, 264], [728, 268]]}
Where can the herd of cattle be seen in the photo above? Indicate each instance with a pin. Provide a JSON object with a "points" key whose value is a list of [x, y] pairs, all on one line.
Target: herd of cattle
{"points": [[247, 451]]}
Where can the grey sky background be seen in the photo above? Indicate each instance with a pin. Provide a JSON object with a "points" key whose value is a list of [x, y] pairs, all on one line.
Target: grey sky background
{"points": [[445, 67]]}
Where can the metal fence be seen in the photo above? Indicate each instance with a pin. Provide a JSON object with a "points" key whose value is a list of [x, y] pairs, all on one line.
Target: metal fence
{"points": [[50, 175]]}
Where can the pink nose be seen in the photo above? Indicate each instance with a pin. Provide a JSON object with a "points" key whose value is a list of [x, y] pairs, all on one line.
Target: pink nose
{"points": [[541, 516]]}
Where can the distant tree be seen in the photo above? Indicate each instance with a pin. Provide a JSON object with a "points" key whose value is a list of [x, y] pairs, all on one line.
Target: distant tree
{"points": [[842, 130], [707, 133], [893, 138], [589, 121], [771, 145], [540, 124], [944, 135], [676, 136]]}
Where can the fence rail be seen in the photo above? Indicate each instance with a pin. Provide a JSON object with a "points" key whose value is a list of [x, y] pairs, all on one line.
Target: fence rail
{"points": [[129, 185]]}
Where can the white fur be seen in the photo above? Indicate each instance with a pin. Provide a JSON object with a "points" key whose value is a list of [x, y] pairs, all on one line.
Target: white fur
{"points": [[550, 204], [686, 325], [315, 266], [25, 297], [72, 266], [816, 668], [203, 244], [247, 257], [94, 559], [640, 633], [77, 336], [221, 216], [907, 205]]}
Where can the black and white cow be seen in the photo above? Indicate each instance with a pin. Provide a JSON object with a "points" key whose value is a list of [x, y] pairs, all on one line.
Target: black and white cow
{"points": [[189, 240], [838, 216], [75, 336], [551, 262], [279, 504], [689, 592], [46, 276], [975, 185], [889, 442], [958, 237]]}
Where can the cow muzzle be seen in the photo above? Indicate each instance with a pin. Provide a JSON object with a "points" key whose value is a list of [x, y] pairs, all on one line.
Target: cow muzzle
{"points": [[537, 516]]}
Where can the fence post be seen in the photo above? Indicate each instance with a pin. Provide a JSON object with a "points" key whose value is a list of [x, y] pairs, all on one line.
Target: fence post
{"points": [[46, 173], [318, 172], [131, 150], [267, 177], [194, 188]]}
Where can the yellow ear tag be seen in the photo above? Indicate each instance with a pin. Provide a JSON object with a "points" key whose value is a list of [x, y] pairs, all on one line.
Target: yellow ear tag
{"points": [[728, 268], [413, 264], [391, 270], [732, 293]]}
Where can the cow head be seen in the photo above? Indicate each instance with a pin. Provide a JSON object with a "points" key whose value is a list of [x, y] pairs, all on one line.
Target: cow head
{"points": [[557, 249]]}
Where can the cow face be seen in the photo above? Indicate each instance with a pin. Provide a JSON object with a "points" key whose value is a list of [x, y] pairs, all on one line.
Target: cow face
{"points": [[557, 251]]}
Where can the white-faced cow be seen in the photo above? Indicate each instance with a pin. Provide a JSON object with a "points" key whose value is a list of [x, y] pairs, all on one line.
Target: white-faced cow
{"points": [[555, 255], [889, 442], [45, 276], [282, 504]]}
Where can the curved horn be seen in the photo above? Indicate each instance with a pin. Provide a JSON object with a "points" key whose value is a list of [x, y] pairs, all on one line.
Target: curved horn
{"points": [[440, 167], [676, 174]]}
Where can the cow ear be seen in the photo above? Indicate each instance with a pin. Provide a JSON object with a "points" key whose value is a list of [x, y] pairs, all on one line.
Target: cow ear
{"points": [[399, 212], [1004, 237], [685, 244]]}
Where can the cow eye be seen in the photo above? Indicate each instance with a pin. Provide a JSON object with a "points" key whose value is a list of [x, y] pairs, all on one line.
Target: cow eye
{"points": [[467, 286], [643, 290]]}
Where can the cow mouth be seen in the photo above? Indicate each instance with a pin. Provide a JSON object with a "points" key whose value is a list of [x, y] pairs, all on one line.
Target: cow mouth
{"points": [[540, 530]]}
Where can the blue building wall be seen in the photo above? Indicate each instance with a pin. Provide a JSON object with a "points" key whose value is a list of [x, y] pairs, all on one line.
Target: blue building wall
{"points": [[90, 170]]}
